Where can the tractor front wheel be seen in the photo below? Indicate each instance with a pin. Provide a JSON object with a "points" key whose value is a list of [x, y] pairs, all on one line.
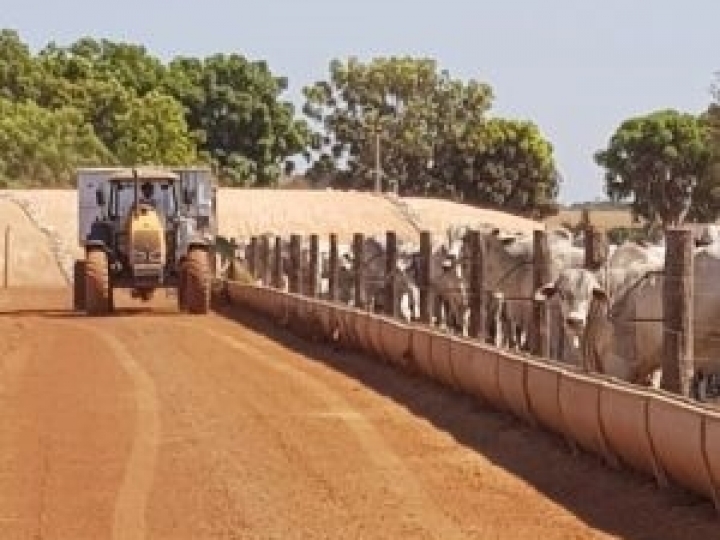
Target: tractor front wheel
{"points": [[98, 293]]}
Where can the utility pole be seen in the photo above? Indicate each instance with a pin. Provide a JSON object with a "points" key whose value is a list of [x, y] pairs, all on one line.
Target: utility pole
{"points": [[378, 182]]}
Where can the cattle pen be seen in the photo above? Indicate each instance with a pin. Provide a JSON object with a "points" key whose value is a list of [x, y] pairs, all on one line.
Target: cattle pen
{"points": [[659, 432]]}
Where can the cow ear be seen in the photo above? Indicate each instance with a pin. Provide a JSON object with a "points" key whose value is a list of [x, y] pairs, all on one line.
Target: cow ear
{"points": [[599, 294], [545, 292]]}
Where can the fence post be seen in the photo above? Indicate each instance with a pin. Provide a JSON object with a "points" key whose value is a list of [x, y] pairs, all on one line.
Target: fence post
{"points": [[334, 264], [314, 265], [424, 277], [678, 289], [252, 249], [277, 263], [295, 265], [478, 310], [540, 342], [6, 263], [391, 280], [259, 268], [596, 248], [266, 263], [232, 266], [257, 271], [359, 269]]}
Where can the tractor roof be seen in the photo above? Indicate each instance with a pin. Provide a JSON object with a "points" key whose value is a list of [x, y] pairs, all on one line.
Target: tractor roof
{"points": [[145, 174]]}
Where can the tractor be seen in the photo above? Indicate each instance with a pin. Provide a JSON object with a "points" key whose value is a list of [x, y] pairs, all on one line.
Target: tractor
{"points": [[145, 229]]}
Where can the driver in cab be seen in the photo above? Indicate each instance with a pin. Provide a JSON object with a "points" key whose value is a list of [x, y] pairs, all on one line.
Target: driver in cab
{"points": [[147, 191]]}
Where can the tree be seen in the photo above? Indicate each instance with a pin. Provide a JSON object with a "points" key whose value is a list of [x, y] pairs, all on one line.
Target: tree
{"points": [[660, 161], [19, 75], [406, 105], [153, 131], [130, 65], [234, 107], [507, 164], [100, 78], [40, 147], [707, 200]]}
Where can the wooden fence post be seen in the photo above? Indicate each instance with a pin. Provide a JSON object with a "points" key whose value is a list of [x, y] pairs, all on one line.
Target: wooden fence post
{"points": [[252, 249], [277, 263], [257, 271], [478, 309], [540, 337], [334, 264], [314, 285], [295, 264], [359, 269], [596, 248], [678, 290], [265, 261], [8, 253], [426, 298], [391, 280], [232, 266]]}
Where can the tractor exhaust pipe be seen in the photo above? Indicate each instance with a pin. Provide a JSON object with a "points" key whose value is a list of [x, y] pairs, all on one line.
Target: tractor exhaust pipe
{"points": [[136, 185]]}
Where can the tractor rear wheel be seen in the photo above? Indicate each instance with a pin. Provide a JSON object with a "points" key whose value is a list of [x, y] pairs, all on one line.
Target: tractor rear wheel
{"points": [[182, 287], [79, 286], [196, 292], [98, 293]]}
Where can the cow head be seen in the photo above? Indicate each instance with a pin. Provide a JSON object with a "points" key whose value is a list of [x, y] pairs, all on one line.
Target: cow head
{"points": [[574, 288], [346, 261]]}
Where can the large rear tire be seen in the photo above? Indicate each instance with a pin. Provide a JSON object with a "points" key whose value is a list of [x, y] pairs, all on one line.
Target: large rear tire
{"points": [[79, 286], [182, 287], [98, 294], [196, 292]]}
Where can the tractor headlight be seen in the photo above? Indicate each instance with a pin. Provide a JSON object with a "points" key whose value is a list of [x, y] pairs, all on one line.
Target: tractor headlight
{"points": [[139, 256], [155, 256]]}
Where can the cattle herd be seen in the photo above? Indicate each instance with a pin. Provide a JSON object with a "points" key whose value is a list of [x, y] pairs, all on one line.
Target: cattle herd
{"points": [[606, 319]]}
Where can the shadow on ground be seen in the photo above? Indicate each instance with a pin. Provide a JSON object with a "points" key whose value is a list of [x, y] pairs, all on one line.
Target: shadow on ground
{"points": [[620, 503]]}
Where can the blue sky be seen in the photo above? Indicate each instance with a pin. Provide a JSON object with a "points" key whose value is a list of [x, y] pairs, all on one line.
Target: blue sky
{"points": [[576, 68]]}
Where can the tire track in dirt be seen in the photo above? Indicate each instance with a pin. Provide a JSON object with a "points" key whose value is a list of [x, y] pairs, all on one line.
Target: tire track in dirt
{"points": [[400, 479], [129, 522]]}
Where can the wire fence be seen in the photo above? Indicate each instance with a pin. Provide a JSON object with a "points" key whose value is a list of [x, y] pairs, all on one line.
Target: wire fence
{"points": [[442, 277]]}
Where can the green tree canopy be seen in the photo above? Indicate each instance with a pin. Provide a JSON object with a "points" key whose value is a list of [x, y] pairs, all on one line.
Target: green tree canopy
{"points": [[234, 106], [223, 109], [40, 147], [153, 131], [430, 133], [659, 161], [506, 163], [19, 76], [406, 104]]}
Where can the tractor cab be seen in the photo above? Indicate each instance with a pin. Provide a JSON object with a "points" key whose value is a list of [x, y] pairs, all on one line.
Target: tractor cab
{"points": [[138, 192]]}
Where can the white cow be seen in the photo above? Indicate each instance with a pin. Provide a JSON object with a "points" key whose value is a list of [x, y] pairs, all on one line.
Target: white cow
{"points": [[572, 291], [509, 279], [624, 329]]}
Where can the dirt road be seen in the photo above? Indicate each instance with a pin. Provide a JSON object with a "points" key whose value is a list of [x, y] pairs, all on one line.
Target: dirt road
{"points": [[162, 426]]}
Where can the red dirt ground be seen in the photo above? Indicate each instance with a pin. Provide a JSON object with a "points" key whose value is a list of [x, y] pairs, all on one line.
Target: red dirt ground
{"points": [[153, 424]]}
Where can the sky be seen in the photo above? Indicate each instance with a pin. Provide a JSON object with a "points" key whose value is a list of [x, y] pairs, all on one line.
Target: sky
{"points": [[575, 68]]}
